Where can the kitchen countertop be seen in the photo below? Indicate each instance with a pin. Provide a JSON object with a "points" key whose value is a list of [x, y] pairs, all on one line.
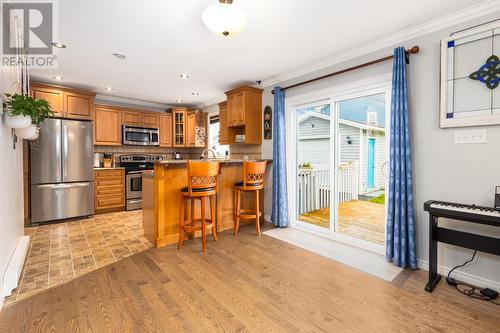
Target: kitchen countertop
{"points": [[221, 160], [112, 168]]}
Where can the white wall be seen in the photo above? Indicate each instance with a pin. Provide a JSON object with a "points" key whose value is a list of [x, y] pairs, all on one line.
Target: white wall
{"points": [[11, 189], [442, 170]]}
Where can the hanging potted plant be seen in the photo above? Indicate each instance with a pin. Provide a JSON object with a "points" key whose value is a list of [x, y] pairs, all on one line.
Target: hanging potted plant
{"points": [[25, 114]]}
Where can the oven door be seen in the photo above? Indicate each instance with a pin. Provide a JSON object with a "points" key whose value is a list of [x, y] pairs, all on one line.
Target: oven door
{"points": [[134, 185]]}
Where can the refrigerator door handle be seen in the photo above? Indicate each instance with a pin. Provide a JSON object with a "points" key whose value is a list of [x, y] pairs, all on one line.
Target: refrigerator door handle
{"points": [[63, 186], [64, 149]]}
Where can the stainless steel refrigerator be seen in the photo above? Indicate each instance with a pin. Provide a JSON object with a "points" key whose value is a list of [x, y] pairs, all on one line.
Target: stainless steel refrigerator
{"points": [[62, 174]]}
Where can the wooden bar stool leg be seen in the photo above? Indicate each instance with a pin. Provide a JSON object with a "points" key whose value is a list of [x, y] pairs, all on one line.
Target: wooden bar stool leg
{"points": [[212, 217], [192, 202], [181, 225], [238, 203], [257, 212], [203, 226]]}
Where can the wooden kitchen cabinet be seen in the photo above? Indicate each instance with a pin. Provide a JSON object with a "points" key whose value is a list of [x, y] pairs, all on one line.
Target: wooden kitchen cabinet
{"points": [[166, 130], [107, 127], [243, 115], [66, 102], [109, 190], [151, 119], [51, 95], [190, 129], [132, 118], [179, 126], [78, 105], [223, 130]]}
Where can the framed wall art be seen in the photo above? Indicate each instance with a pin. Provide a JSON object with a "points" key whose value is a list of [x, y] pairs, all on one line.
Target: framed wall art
{"points": [[268, 123], [470, 77]]}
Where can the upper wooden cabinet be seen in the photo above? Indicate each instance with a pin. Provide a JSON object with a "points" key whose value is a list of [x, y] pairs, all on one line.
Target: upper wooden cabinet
{"points": [[132, 118], [243, 115], [190, 129], [223, 130], [179, 126], [65, 102], [166, 130], [107, 125], [140, 118], [151, 119]]}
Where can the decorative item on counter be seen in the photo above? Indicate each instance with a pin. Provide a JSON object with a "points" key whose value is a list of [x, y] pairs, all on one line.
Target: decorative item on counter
{"points": [[107, 160], [268, 123]]}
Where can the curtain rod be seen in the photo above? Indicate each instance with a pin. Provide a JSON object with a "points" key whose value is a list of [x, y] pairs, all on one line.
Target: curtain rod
{"points": [[413, 50]]}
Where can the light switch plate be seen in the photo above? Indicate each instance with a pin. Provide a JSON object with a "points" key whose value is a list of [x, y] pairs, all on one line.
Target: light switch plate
{"points": [[470, 136]]}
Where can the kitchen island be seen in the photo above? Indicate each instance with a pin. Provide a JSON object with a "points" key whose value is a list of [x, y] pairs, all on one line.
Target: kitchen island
{"points": [[161, 192]]}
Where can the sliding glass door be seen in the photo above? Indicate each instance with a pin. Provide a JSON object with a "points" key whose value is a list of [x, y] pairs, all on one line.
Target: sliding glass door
{"points": [[341, 154], [314, 162]]}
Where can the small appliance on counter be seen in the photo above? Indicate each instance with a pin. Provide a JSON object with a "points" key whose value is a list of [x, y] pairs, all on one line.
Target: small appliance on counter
{"points": [[97, 160], [177, 155]]}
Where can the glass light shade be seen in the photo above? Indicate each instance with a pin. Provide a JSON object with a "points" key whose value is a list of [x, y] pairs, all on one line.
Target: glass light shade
{"points": [[224, 19]]}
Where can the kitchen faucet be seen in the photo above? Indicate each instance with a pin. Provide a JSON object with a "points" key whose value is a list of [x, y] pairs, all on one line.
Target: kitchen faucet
{"points": [[205, 151]]}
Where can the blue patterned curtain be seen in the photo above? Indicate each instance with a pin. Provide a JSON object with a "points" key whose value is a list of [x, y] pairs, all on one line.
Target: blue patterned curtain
{"points": [[280, 200], [401, 242]]}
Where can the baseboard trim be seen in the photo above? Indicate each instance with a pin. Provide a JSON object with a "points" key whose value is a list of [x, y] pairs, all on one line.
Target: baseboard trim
{"points": [[461, 276], [15, 267]]}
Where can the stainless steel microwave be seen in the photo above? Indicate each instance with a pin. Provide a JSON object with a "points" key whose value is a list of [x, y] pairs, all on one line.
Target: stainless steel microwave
{"points": [[140, 136]]}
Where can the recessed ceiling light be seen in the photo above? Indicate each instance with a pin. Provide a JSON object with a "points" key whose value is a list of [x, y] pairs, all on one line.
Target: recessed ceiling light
{"points": [[59, 45], [179, 100], [184, 76], [119, 55], [109, 88], [58, 77], [195, 93]]}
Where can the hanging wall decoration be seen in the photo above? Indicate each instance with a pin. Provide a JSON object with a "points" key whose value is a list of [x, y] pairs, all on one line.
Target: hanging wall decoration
{"points": [[268, 123], [470, 77]]}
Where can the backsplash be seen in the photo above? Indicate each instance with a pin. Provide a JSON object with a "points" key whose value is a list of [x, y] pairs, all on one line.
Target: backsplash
{"points": [[187, 153], [254, 152]]}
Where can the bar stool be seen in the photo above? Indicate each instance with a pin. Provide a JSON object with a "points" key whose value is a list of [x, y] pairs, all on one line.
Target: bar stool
{"points": [[202, 184], [253, 181]]}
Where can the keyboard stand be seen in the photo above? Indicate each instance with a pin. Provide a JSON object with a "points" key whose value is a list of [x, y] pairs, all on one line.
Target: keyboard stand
{"points": [[458, 238]]}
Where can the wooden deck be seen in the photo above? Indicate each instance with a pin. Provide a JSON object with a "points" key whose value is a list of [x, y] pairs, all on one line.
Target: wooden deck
{"points": [[360, 219]]}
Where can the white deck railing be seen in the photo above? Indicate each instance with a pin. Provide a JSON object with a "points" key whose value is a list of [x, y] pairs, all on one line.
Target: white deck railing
{"points": [[314, 190]]}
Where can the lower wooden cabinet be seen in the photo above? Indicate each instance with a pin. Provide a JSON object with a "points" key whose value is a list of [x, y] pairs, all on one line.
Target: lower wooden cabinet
{"points": [[109, 190]]}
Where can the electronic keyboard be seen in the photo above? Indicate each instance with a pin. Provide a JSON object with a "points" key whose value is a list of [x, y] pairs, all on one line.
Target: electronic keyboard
{"points": [[471, 213], [448, 235]]}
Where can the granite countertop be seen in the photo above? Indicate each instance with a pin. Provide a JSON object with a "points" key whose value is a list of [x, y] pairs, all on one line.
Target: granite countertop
{"points": [[112, 168], [221, 160]]}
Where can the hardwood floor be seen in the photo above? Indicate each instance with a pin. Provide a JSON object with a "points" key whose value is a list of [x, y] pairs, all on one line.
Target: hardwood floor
{"points": [[244, 284]]}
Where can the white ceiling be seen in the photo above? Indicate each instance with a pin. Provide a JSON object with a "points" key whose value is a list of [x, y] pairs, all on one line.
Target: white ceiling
{"points": [[164, 38]]}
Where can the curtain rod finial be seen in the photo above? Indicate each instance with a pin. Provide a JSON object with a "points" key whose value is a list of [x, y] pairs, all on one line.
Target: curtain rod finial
{"points": [[414, 50]]}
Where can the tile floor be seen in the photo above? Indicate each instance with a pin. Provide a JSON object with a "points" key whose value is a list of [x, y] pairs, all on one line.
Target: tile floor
{"points": [[61, 252]]}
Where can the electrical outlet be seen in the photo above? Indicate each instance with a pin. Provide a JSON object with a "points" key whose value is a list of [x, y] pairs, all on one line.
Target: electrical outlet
{"points": [[470, 136]]}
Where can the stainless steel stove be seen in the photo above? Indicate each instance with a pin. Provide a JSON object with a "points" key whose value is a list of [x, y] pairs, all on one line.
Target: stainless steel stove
{"points": [[134, 165]]}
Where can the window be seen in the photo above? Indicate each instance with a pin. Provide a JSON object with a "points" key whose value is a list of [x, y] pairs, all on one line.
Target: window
{"points": [[214, 137]]}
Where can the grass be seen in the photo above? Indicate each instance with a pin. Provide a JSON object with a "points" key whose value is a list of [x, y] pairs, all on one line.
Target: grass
{"points": [[379, 200]]}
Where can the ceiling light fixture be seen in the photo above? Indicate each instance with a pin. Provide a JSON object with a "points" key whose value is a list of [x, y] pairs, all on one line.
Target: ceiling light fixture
{"points": [[58, 77], [109, 88], [195, 93], [224, 18], [179, 100], [59, 45], [119, 55], [184, 76]]}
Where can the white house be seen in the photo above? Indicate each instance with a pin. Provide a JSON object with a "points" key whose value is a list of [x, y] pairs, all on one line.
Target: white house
{"points": [[361, 144]]}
